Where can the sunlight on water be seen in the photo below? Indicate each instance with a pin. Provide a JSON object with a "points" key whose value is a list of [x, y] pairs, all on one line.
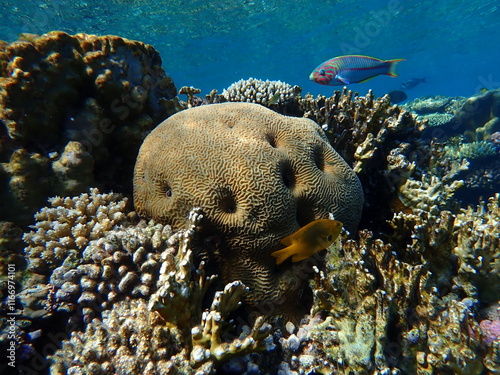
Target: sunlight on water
{"points": [[211, 44]]}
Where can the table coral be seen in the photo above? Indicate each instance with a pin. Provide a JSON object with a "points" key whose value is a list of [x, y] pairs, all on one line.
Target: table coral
{"points": [[97, 95], [472, 150], [258, 176], [434, 104]]}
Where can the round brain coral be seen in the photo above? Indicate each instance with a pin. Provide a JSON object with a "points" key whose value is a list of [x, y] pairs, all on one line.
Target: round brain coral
{"points": [[258, 176]]}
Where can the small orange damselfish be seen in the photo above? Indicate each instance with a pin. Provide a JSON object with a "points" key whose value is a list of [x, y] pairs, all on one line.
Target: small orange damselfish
{"points": [[308, 240]]}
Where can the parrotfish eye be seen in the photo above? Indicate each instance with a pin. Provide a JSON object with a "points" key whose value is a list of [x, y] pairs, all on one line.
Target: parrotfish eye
{"points": [[329, 238], [322, 72]]}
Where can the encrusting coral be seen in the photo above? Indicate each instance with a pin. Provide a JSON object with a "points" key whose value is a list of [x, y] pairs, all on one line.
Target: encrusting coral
{"points": [[91, 101], [259, 176]]}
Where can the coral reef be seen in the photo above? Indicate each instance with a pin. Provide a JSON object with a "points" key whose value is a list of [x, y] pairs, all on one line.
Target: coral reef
{"points": [[434, 104], [430, 193], [132, 337], [473, 150], [476, 117], [478, 244], [406, 305], [73, 108], [11, 247], [416, 291], [437, 119], [93, 267], [379, 140], [63, 230], [258, 176]]}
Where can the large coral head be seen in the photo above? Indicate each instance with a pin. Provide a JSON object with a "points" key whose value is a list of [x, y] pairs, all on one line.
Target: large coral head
{"points": [[257, 175]]}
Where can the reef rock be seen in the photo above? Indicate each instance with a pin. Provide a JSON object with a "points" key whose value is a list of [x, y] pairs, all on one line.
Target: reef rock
{"points": [[258, 177], [72, 107]]}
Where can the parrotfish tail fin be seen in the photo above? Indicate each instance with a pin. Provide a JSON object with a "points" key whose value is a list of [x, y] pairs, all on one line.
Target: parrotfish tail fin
{"points": [[284, 254], [392, 67]]}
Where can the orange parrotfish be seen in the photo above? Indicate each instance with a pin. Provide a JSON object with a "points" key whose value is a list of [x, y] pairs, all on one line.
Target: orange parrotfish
{"points": [[344, 70], [308, 240]]}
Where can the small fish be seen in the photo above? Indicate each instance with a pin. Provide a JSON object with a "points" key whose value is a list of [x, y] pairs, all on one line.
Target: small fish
{"points": [[397, 96], [308, 240], [344, 70], [411, 83], [274, 98]]}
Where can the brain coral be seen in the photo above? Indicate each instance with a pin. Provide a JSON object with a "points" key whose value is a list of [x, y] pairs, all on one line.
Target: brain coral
{"points": [[258, 176]]}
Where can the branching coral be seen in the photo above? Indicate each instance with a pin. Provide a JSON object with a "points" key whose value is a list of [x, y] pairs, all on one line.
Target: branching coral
{"points": [[266, 92], [63, 230], [379, 140], [473, 150], [478, 248], [130, 338], [430, 194], [406, 305]]}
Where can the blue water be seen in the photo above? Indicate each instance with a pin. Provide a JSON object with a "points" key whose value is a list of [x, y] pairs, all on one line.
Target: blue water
{"points": [[211, 44]]}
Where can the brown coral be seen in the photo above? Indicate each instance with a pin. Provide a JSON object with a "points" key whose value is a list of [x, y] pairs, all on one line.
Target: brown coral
{"points": [[480, 116], [380, 141], [257, 175], [72, 108]]}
